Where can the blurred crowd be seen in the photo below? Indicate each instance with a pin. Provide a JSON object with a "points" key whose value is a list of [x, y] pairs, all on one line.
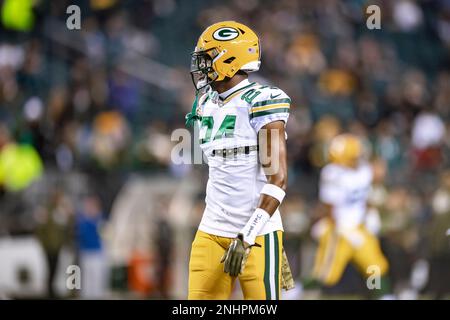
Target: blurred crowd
{"points": [[86, 118]]}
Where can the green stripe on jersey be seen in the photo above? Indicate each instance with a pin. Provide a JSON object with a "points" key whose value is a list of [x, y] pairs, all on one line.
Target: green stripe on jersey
{"points": [[273, 101], [267, 112]]}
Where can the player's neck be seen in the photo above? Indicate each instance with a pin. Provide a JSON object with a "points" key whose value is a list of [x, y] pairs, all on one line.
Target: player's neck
{"points": [[222, 86]]}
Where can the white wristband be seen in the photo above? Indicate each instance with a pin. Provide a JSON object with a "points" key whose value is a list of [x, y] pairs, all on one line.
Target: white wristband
{"points": [[273, 191], [255, 225]]}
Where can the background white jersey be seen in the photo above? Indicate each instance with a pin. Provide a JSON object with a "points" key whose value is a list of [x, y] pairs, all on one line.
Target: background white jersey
{"points": [[235, 182], [347, 190]]}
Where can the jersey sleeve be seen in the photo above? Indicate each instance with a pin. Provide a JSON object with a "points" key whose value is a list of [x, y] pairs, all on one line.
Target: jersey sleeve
{"points": [[272, 104], [330, 192], [368, 171]]}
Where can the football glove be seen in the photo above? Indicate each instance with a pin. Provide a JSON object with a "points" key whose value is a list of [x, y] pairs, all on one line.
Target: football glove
{"points": [[235, 256]]}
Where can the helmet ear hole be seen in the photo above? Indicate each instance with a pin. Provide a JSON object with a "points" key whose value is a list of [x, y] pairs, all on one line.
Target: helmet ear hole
{"points": [[229, 60]]}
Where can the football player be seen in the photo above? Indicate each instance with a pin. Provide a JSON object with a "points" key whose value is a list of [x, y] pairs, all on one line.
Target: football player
{"points": [[242, 134], [343, 235]]}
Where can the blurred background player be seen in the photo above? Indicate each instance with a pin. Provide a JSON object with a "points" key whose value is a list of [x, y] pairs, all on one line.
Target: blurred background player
{"points": [[240, 234], [343, 234]]}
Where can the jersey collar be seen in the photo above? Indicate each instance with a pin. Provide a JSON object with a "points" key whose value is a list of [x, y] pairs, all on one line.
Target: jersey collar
{"points": [[244, 83]]}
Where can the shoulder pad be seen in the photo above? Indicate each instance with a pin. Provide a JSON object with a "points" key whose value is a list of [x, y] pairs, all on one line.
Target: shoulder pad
{"points": [[266, 95]]}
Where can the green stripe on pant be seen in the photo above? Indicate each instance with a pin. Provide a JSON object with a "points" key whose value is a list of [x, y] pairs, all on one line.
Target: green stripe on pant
{"points": [[272, 252], [277, 264], [267, 266]]}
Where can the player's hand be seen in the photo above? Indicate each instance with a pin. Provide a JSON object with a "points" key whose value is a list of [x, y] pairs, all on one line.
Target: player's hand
{"points": [[235, 257]]}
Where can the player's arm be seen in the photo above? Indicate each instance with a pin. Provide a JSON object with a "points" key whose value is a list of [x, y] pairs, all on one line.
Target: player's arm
{"points": [[272, 155], [268, 115], [272, 143], [330, 193], [323, 210]]}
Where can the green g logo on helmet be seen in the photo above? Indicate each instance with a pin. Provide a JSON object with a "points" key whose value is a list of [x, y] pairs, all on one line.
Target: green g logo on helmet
{"points": [[225, 34]]}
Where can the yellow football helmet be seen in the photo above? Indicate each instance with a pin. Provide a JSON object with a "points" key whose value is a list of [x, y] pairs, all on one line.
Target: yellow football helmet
{"points": [[345, 149], [223, 49]]}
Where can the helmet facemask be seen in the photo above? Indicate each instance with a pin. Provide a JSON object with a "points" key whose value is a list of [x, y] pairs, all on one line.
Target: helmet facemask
{"points": [[202, 71]]}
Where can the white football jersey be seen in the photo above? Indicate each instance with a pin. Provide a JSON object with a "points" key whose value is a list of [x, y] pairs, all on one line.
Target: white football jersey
{"points": [[235, 181], [347, 190]]}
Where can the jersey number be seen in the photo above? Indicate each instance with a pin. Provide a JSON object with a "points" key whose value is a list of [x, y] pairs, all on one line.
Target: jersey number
{"points": [[226, 128], [250, 95]]}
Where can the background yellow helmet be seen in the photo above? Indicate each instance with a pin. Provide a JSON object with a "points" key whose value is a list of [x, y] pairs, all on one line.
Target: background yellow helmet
{"points": [[345, 149], [223, 49]]}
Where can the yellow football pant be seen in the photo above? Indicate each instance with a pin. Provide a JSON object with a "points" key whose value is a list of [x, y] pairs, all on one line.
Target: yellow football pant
{"points": [[335, 251], [260, 279]]}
